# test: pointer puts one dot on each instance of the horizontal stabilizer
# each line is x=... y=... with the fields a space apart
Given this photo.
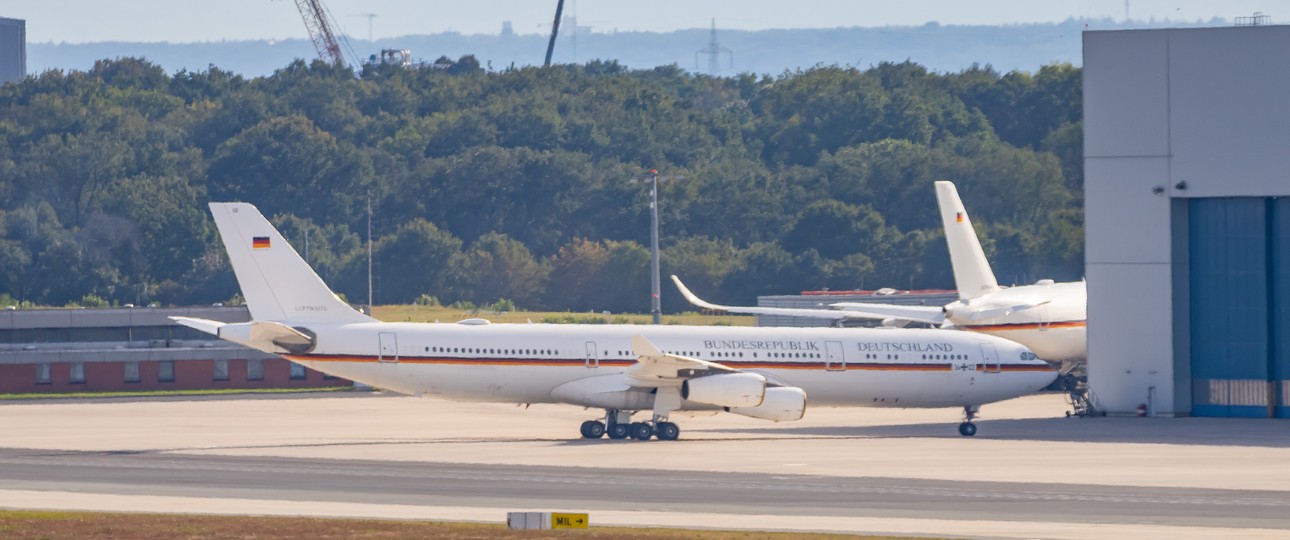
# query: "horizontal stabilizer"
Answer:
x=270 y=337
x=205 y=325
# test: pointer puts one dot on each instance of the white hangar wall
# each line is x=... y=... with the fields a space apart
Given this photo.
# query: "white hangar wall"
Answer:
x=1187 y=149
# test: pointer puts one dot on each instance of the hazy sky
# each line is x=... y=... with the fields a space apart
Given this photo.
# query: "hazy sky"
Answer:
x=80 y=21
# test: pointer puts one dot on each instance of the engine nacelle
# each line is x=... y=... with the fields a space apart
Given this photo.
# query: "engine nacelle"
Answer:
x=782 y=404
x=727 y=390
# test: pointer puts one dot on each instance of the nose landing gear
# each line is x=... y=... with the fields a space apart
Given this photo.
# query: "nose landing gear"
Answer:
x=967 y=428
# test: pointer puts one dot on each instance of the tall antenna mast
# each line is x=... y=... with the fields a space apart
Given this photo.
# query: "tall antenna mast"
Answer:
x=714 y=50
x=370 y=17
x=369 y=252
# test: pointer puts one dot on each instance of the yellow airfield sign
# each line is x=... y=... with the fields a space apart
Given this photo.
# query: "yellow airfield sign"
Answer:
x=569 y=521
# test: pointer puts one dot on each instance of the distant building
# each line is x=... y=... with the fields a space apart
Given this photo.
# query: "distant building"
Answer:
x=13 y=50
x=822 y=300
x=507 y=29
x=84 y=350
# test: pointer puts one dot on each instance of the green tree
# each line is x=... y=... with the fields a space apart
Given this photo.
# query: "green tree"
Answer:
x=414 y=260
x=288 y=165
x=497 y=266
x=607 y=275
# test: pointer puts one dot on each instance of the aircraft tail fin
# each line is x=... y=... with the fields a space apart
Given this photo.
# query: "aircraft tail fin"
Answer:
x=972 y=274
x=278 y=285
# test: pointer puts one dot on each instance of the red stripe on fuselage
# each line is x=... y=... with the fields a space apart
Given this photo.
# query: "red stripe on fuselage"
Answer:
x=1023 y=326
x=578 y=362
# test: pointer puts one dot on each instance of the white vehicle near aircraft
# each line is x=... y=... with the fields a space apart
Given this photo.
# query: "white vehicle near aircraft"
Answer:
x=1047 y=317
x=764 y=373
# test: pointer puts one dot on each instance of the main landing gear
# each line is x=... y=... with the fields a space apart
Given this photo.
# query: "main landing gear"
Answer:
x=618 y=425
x=967 y=428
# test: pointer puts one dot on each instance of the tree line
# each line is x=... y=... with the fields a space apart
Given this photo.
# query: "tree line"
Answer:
x=529 y=184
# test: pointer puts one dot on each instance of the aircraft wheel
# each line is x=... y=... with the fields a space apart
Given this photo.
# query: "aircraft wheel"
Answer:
x=619 y=431
x=967 y=429
x=592 y=429
x=641 y=431
x=667 y=431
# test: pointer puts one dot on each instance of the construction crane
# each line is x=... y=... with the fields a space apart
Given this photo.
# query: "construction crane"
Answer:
x=555 y=30
x=320 y=25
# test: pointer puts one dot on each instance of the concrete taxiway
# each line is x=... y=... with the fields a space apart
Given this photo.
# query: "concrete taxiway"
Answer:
x=1030 y=472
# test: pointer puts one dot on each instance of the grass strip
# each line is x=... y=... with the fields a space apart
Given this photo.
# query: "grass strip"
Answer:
x=57 y=525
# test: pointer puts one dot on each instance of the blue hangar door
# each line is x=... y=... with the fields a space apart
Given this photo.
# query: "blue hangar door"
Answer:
x=1240 y=306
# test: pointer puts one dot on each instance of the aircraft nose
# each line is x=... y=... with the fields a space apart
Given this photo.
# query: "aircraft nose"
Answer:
x=1044 y=372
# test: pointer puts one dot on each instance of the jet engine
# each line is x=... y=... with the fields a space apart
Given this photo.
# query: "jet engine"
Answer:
x=782 y=404
x=726 y=390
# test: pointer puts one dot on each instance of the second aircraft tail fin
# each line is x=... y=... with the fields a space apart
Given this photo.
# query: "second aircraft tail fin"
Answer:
x=972 y=274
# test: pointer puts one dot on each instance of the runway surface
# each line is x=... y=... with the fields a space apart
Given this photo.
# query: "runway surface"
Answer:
x=1030 y=473
x=441 y=484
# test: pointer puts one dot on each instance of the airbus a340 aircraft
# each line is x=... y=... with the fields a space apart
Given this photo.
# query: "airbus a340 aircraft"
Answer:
x=763 y=373
x=1047 y=317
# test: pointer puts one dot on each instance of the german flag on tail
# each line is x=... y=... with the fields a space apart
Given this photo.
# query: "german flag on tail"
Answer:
x=260 y=242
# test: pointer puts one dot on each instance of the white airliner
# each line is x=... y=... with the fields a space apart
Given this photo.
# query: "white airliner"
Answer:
x=1047 y=317
x=763 y=373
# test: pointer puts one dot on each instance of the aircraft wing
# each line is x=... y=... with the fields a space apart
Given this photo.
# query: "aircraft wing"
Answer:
x=655 y=368
x=927 y=314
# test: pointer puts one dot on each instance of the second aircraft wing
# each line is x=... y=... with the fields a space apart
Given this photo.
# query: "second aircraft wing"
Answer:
x=926 y=314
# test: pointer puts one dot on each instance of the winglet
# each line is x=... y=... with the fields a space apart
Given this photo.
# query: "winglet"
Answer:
x=690 y=297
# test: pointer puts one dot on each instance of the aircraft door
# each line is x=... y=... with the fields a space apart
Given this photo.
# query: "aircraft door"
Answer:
x=835 y=358
x=593 y=359
x=990 y=358
x=389 y=351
